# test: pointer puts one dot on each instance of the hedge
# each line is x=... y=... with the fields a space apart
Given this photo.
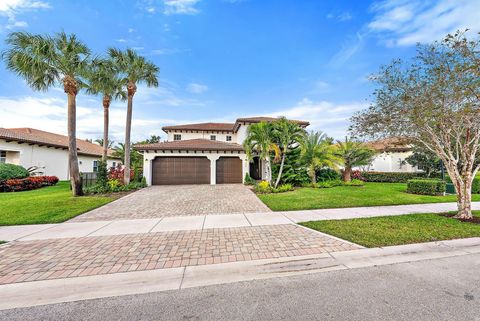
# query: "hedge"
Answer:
x=391 y=177
x=27 y=184
x=426 y=186
x=10 y=171
x=475 y=184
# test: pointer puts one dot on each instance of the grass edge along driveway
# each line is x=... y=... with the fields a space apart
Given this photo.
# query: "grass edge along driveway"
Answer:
x=372 y=194
x=397 y=230
x=52 y=204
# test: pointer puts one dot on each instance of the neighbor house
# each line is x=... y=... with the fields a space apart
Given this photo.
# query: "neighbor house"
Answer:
x=48 y=152
x=204 y=153
x=391 y=155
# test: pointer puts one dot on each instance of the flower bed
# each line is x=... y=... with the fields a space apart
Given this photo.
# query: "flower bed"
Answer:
x=27 y=184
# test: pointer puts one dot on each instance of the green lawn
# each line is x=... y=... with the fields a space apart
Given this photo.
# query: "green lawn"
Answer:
x=396 y=230
x=51 y=204
x=372 y=194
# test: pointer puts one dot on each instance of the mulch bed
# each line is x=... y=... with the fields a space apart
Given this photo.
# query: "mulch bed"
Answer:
x=474 y=220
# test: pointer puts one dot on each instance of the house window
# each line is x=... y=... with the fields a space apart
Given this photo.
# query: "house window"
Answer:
x=114 y=164
x=213 y=137
x=95 y=165
x=3 y=156
x=177 y=137
x=229 y=138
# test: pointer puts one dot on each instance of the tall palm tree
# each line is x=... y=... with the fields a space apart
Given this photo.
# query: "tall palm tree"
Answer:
x=45 y=61
x=135 y=70
x=103 y=79
x=317 y=151
x=100 y=141
x=287 y=133
x=260 y=140
x=353 y=153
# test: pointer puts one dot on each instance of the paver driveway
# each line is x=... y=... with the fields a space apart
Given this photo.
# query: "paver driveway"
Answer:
x=179 y=200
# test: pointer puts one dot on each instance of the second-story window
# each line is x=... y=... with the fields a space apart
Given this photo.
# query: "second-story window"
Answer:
x=213 y=137
x=95 y=165
x=229 y=138
x=177 y=137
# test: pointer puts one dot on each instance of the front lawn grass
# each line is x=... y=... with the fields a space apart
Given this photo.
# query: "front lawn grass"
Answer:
x=397 y=230
x=53 y=204
x=372 y=194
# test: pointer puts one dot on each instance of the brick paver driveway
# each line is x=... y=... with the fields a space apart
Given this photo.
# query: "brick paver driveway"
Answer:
x=52 y=259
x=179 y=200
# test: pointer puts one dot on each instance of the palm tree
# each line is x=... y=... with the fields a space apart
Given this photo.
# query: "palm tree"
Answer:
x=317 y=151
x=260 y=140
x=45 y=61
x=287 y=133
x=353 y=153
x=100 y=141
x=103 y=79
x=135 y=69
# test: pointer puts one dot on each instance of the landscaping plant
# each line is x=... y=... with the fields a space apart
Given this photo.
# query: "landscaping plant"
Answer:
x=9 y=171
x=353 y=154
x=433 y=101
x=44 y=62
x=426 y=187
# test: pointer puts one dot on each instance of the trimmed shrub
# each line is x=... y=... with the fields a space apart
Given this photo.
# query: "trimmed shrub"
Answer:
x=12 y=171
x=354 y=182
x=391 y=177
x=114 y=186
x=327 y=174
x=249 y=180
x=27 y=184
x=426 y=186
x=476 y=185
x=263 y=187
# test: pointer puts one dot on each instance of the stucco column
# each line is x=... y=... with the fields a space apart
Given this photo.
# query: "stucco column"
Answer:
x=213 y=168
x=147 y=167
x=245 y=166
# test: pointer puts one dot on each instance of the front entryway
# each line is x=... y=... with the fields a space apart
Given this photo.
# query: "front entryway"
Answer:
x=255 y=168
x=180 y=170
x=229 y=170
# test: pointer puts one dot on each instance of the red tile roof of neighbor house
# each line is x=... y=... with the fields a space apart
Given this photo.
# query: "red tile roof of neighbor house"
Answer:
x=230 y=127
x=192 y=144
x=391 y=144
x=40 y=137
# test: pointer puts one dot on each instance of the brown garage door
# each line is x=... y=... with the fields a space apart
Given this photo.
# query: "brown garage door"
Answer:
x=229 y=170
x=180 y=170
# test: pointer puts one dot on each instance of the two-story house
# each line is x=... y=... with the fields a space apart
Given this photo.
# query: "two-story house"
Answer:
x=204 y=153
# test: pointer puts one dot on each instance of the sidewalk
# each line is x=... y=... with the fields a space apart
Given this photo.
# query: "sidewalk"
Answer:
x=89 y=287
x=201 y=222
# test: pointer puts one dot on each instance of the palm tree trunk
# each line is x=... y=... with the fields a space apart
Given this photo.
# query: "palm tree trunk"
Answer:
x=72 y=147
x=268 y=170
x=280 y=170
x=128 y=129
x=347 y=174
x=313 y=176
x=106 y=105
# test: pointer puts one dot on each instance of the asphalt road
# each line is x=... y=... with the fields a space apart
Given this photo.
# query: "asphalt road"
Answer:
x=443 y=289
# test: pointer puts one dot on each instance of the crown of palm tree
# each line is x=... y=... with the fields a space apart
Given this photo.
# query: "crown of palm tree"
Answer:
x=354 y=153
x=260 y=139
x=134 y=68
x=317 y=151
x=45 y=61
x=103 y=78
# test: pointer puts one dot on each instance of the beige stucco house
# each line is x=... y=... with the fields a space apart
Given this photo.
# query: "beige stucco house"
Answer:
x=391 y=155
x=204 y=153
x=48 y=152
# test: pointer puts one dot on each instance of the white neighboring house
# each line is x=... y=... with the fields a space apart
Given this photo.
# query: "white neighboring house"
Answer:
x=31 y=147
x=204 y=153
x=391 y=156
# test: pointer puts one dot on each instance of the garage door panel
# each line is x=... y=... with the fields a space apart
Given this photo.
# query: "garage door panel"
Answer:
x=180 y=170
x=229 y=170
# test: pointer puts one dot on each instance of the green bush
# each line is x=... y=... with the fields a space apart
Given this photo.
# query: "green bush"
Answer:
x=12 y=171
x=328 y=184
x=249 y=180
x=283 y=188
x=327 y=174
x=115 y=186
x=102 y=173
x=354 y=182
x=426 y=186
x=391 y=177
x=475 y=184
x=263 y=187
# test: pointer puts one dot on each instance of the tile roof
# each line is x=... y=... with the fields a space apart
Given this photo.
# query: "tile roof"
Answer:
x=202 y=127
x=390 y=144
x=268 y=119
x=191 y=144
x=36 y=136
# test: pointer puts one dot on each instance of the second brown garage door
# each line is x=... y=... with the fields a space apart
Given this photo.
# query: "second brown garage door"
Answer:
x=229 y=170
x=180 y=170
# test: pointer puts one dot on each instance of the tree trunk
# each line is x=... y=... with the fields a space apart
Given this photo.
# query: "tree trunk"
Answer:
x=268 y=170
x=464 y=197
x=131 y=89
x=280 y=170
x=347 y=174
x=313 y=175
x=106 y=105
x=72 y=147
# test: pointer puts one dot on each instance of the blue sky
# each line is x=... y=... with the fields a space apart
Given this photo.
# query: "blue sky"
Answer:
x=223 y=59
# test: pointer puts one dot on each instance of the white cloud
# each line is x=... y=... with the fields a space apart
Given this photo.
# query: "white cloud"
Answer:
x=180 y=7
x=130 y=30
x=121 y=40
x=12 y=8
x=404 y=23
x=329 y=117
x=344 y=16
x=195 y=88
x=166 y=51
x=349 y=49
